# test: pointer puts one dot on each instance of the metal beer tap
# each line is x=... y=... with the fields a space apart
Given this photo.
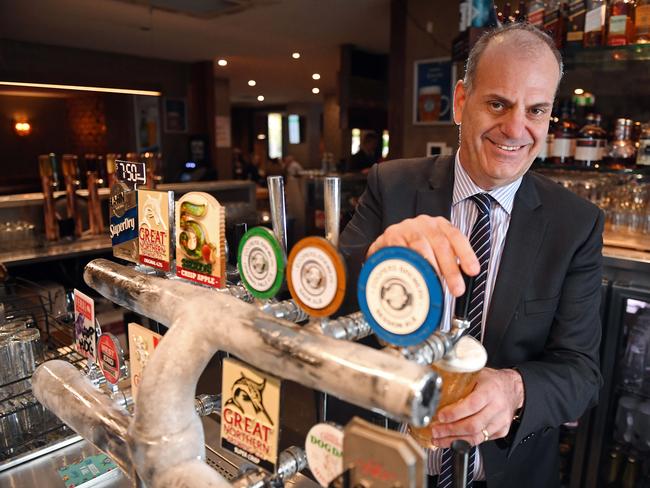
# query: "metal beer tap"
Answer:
x=291 y=461
x=438 y=345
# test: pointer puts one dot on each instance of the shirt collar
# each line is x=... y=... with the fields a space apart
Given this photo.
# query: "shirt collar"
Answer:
x=464 y=188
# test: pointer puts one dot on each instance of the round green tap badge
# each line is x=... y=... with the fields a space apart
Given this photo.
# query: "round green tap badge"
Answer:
x=261 y=263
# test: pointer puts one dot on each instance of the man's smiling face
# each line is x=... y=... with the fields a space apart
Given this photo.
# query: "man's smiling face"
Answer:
x=504 y=116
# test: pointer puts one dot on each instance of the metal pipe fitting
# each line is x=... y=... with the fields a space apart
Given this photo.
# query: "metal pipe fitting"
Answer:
x=291 y=461
x=204 y=405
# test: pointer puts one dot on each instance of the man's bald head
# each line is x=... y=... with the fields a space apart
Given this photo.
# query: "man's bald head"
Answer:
x=525 y=38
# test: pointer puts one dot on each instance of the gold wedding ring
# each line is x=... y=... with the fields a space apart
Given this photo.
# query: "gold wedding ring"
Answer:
x=486 y=435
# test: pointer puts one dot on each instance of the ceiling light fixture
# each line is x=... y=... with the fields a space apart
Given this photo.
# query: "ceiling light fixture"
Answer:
x=315 y=76
x=578 y=91
x=260 y=98
x=295 y=55
x=222 y=62
x=83 y=88
x=261 y=137
x=252 y=83
x=23 y=128
x=315 y=91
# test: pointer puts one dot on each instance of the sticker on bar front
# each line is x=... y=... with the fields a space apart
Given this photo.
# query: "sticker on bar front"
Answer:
x=400 y=295
x=124 y=221
x=324 y=450
x=85 y=327
x=250 y=415
x=142 y=343
x=261 y=263
x=316 y=276
x=200 y=239
x=155 y=220
x=110 y=357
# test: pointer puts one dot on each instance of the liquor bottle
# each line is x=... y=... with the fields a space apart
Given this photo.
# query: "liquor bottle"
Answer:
x=621 y=153
x=535 y=13
x=643 y=152
x=590 y=143
x=507 y=13
x=595 y=23
x=614 y=467
x=463 y=16
x=630 y=473
x=642 y=22
x=575 y=22
x=520 y=13
x=554 y=22
x=620 y=24
x=564 y=140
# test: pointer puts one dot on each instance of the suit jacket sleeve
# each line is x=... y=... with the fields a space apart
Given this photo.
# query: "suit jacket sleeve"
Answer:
x=564 y=381
x=366 y=225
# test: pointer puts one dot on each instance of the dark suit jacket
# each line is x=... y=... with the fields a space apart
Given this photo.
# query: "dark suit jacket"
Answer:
x=543 y=318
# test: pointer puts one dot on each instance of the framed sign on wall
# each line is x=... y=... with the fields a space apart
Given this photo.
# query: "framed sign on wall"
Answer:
x=433 y=91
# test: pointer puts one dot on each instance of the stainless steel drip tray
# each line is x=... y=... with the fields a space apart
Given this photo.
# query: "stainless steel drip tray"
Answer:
x=42 y=472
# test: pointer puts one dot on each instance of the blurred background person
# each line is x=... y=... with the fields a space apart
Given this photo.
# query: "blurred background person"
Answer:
x=363 y=159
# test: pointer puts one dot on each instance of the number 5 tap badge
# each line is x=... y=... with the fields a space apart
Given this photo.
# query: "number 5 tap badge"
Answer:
x=200 y=239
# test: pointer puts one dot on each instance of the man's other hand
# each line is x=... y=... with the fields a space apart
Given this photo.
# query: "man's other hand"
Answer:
x=487 y=411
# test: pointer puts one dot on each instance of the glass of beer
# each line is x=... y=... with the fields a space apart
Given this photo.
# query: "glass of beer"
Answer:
x=459 y=371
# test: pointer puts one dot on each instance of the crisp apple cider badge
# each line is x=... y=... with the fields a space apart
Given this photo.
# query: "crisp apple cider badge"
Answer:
x=200 y=239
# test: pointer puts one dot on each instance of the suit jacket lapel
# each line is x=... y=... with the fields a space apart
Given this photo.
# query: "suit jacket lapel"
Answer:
x=436 y=200
x=524 y=237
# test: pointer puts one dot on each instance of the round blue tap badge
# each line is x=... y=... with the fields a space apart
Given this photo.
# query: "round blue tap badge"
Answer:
x=400 y=295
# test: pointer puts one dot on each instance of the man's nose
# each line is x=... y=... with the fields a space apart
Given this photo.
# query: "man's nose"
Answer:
x=513 y=125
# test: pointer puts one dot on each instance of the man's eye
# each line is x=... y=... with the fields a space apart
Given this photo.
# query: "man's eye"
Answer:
x=537 y=111
x=497 y=106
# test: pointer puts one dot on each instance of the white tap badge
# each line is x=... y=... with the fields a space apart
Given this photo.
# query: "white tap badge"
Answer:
x=154 y=234
x=324 y=450
x=142 y=343
x=85 y=331
x=250 y=415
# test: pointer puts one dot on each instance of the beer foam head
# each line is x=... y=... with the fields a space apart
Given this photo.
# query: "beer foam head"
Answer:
x=469 y=355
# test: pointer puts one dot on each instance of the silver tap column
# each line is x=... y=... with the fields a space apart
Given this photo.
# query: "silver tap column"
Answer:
x=278 y=209
x=332 y=196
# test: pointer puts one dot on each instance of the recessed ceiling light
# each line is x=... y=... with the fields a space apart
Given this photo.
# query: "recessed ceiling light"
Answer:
x=578 y=91
x=315 y=91
x=315 y=76
x=222 y=62
x=261 y=137
x=295 y=55
x=260 y=98
x=252 y=83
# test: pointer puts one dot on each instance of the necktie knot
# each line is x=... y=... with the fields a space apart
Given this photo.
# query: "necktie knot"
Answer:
x=483 y=202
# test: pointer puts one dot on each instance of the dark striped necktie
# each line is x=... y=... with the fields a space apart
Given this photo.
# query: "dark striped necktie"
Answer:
x=480 y=242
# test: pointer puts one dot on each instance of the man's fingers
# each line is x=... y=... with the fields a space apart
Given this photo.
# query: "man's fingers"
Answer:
x=463 y=249
x=468 y=406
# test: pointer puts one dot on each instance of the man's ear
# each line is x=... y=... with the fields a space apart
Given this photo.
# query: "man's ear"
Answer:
x=460 y=95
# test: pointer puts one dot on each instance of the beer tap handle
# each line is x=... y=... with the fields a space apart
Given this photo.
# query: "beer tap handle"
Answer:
x=332 y=197
x=461 y=311
x=461 y=459
x=278 y=209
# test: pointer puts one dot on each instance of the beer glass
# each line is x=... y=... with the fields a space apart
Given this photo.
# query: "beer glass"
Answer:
x=458 y=371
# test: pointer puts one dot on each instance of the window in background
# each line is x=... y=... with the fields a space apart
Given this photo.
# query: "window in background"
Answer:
x=385 y=139
x=294 y=128
x=275 y=135
x=356 y=140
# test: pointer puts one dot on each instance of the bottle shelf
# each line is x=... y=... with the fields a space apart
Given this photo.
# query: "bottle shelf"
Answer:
x=606 y=57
